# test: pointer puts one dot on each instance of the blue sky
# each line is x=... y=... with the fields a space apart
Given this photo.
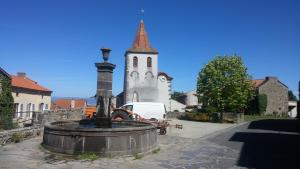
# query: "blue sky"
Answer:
x=57 y=42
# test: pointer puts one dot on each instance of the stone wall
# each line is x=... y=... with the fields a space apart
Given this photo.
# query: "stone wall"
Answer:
x=59 y=115
x=233 y=117
x=16 y=135
x=277 y=94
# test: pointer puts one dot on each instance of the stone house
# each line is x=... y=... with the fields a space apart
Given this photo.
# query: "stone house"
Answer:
x=29 y=97
x=277 y=94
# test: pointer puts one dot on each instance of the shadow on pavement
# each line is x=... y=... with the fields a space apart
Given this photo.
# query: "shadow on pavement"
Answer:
x=268 y=149
x=287 y=125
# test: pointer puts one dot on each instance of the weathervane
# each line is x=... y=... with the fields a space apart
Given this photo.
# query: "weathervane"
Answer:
x=142 y=12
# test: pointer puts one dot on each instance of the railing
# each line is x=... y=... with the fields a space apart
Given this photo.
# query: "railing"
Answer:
x=26 y=118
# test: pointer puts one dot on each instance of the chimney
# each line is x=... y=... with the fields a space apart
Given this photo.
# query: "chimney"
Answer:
x=21 y=74
x=72 y=103
x=271 y=78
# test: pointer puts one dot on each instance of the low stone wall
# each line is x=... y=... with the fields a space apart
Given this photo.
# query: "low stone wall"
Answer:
x=17 y=135
x=58 y=115
x=175 y=114
x=233 y=117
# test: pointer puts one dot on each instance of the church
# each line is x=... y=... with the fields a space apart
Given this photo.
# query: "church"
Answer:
x=142 y=80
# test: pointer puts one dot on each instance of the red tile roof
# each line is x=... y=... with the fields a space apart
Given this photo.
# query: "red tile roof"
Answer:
x=141 y=42
x=66 y=103
x=26 y=83
x=258 y=82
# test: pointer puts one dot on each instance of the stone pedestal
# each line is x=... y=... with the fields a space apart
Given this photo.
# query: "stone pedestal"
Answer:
x=104 y=94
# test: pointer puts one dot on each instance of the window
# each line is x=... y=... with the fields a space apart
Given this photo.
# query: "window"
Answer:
x=129 y=107
x=16 y=107
x=33 y=107
x=28 y=107
x=46 y=106
x=17 y=94
x=149 y=62
x=21 y=108
x=135 y=61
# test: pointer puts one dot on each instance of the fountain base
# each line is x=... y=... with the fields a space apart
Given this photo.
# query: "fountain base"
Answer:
x=124 y=138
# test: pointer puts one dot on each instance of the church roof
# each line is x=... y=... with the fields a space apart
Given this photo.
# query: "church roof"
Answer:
x=166 y=75
x=141 y=43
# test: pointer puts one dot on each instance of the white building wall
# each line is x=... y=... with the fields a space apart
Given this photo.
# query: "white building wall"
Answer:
x=141 y=81
x=164 y=89
x=191 y=98
x=293 y=111
x=34 y=100
x=175 y=105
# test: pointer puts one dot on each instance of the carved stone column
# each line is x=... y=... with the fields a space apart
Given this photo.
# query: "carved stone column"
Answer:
x=104 y=90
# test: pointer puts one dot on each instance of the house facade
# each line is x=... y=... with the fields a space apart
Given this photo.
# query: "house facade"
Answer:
x=276 y=92
x=29 y=96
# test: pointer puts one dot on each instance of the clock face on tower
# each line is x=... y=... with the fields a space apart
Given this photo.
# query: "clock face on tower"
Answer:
x=162 y=78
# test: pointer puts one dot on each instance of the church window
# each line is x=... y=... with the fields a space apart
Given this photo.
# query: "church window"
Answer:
x=149 y=62
x=135 y=61
x=149 y=75
x=134 y=75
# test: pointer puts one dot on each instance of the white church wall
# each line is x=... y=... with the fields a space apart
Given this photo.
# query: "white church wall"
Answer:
x=141 y=82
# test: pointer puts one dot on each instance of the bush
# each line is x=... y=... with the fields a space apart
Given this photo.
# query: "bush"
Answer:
x=16 y=137
x=88 y=156
x=6 y=104
x=198 y=116
x=262 y=103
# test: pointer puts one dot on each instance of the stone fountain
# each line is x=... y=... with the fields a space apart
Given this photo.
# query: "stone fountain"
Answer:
x=101 y=135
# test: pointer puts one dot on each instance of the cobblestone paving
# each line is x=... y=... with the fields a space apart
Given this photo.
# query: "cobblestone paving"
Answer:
x=175 y=152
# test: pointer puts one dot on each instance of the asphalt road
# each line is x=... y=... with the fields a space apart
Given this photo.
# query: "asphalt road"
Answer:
x=264 y=143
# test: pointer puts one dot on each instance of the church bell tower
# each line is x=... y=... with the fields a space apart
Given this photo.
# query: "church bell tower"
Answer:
x=141 y=62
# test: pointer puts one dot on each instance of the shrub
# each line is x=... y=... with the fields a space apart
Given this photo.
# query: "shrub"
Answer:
x=88 y=156
x=16 y=137
x=156 y=151
x=198 y=116
x=262 y=100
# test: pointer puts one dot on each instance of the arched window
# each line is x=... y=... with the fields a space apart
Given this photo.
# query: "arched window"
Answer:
x=135 y=61
x=149 y=62
x=135 y=97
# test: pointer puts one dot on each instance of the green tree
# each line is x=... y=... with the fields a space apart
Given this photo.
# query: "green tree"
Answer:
x=292 y=97
x=262 y=101
x=175 y=95
x=224 y=84
x=6 y=104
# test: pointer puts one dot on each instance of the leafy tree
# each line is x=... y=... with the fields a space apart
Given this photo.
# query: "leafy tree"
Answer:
x=292 y=97
x=225 y=85
x=6 y=104
x=258 y=105
x=262 y=101
x=175 y=95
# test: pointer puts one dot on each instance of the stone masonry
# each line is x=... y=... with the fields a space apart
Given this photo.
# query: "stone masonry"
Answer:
x=277 y=94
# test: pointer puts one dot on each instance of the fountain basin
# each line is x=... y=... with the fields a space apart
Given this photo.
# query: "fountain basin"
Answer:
x=124 y=138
